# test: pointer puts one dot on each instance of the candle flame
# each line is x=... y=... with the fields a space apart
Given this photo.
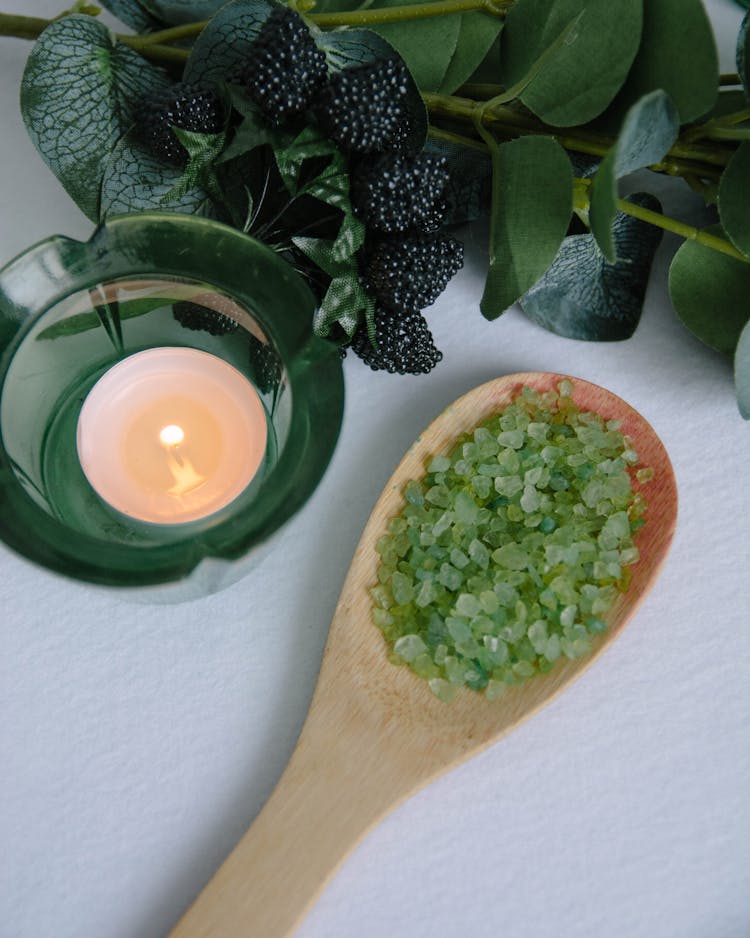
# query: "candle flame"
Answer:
x=172 y=435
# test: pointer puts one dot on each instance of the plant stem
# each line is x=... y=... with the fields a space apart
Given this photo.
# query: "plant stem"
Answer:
x=706 y=162
x=580 y=187
x=410 y=12
x=732 y=78
x=186 y=31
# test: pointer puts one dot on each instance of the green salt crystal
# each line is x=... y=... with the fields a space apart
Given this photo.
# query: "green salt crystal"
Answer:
x=426 y=594
x=414 y=493
x=489 y=601
x=458 y=558
x=495 y=689
x=466 y=508
x=381 y=617
x=645 y=475
x=425 y=667
x=510 y=556
x=402 y=588
x=568 y=615
x=454 y=670
x=438 y=495
x=514 y=513
x=511 y=438
x=523 y=669
x=450 y=577
x=482 y=485
x=468 y=605
x=508 y=485
x=442 y=524
x=530 y=500
x=629 y=555
x=408 y=647
x=439 y=464
x=547 y=525
x=552 y=648
x=479 y=553
x=442 y=689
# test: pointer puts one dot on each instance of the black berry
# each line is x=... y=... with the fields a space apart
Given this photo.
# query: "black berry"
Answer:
x=364 y=108
x=403 y=344
x=184 y=106
x=197 y=317
x=409 y=273
x=265 y=364
x=394 y=193
x=287 y=68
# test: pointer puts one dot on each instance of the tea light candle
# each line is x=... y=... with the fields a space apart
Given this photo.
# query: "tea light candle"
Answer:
x=170 y=435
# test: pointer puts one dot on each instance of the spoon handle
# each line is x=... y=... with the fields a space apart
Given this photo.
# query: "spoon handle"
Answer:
x=339 y=782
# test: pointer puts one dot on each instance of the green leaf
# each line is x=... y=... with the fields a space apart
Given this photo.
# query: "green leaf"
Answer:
x=132 y=14
x=742 y=372
x=135 y=180
x=82 y=322
x=743 y=54
x=580 y=81
x=678 y=55
x=346 y=300
x=532 y=197
x=733 y=198
x=469 y=189
x=583 y=296
x=349 y=47
x=222 y=50
x=476 y=36
x=310 y=143
x=710 y=292
x=650 y=128
x=176 y=12
x=202 y=152
x=77 y=98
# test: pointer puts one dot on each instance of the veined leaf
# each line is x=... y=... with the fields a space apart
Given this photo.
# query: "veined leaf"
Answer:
x=710 y=292
x=77 y=98
x=532 y=197
x=583 y=296
x=222 y=50
x=580 y=81
x=176 y=12
x=132 y=14
x=733 y=198
x=649 y=130
x=743 y=54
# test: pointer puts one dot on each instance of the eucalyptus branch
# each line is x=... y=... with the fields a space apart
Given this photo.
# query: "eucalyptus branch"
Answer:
x=410 y=12
x=581 y=203
x=702 y=161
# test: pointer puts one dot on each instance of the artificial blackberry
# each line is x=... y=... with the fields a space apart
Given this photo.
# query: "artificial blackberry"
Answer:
x=393 y=193
x=197 y=317
x=364 y=108
x=287 y=67
x=404 y=344
x=265 y=364
x=409 y=273
x=184 y=106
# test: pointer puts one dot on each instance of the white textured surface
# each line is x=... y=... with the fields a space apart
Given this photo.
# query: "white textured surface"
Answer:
x=138 y=742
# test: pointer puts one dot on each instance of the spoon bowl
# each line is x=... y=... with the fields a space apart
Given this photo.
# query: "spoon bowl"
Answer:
x=376 y=733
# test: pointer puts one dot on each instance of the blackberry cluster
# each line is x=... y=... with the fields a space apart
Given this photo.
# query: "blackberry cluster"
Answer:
x=393 y=193
x=409 y=273
x=364 y=108
x=403 y=344
x=197 y=317
x=265 y=365
x=287 y=67
x=184 y=106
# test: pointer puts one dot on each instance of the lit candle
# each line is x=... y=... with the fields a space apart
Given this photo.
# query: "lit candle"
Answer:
x=170 y=435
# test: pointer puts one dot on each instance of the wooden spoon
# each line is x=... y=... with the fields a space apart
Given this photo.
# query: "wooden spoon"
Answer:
x=375 y=733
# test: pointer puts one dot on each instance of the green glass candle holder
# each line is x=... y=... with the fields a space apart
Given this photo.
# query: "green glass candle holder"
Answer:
x=70 y=311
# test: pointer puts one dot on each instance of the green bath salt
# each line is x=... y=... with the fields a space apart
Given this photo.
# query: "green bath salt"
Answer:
x=512 y=548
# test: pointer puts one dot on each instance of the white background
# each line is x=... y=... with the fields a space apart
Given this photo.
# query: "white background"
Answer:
x=138 y=742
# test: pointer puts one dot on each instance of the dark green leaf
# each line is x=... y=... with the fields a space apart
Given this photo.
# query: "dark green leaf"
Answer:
x=469 y=190
x=82 y=322
x=649 y=130
x=202 y=152
x=132 y=14
x=733 y=201
x=253 y=132
x=488 y=70
x=135 y=181
x=743 y=54
x=346 y=300
x=742 y=372
x=476 y=36
x=583 y=296
x=350 y=47
x=181 y=11
x=581 y=79
x=532 y=197
x=222 y=50
x=710 y=292
x=320 y=253
x=309 y=144
x=77 y=99
x=678 y=55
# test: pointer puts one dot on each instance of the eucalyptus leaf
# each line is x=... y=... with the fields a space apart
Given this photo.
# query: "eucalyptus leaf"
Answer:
x=135 y=180
x=710 y=292
x=222 y=50
x=77 y=97
x=584 y=296
x=733 y=198
x=132 y=14
x=677 y=54
x=580 y=81
x=469 y=190
x=350 y=47
x=176 y=12
x=650 y=128
x=476 y=37
x=742 y=372
x=532 y=197
x=743 y=54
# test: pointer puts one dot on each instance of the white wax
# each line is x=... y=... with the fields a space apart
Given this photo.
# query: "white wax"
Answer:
x=170 y=435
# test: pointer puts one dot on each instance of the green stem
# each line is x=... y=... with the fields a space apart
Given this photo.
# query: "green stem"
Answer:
x=186 y=31
x=580 y=187
x=410 y=12
x=707 y=162
x=732 y=78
